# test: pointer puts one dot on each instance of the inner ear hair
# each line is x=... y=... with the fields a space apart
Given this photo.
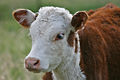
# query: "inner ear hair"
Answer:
x=79 y=19
x=24 y=17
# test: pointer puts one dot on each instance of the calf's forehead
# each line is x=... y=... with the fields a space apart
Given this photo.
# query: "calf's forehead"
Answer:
x=51 y=18
x=46 y=28
x=53 y=13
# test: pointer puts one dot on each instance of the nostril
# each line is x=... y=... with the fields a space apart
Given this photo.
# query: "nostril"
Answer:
x=37 y=62
x=32 y=63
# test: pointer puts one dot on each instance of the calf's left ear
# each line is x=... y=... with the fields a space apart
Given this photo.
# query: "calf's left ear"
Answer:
x=79 y=19
x=24 y=17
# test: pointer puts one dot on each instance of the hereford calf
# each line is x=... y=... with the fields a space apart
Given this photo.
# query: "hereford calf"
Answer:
x=85 y=46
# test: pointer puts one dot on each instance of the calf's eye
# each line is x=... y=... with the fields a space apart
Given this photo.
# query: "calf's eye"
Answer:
x=59 y=36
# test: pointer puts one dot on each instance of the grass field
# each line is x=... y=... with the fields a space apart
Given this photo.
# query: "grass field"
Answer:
x=14 y=41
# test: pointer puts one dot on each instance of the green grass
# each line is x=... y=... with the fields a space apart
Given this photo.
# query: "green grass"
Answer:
x=14 y=41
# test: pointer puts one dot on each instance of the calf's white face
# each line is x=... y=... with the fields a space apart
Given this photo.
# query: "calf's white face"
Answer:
x=49 y=34
x=49 y=31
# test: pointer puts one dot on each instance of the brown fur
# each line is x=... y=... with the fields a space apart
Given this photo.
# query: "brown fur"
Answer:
x=108 y=6
x=48 y=76
x=79 y=19
x=76 y=45
x=71 y=38
x=100 y=44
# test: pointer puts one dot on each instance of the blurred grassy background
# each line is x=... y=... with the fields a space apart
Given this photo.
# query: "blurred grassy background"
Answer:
x=14 y=41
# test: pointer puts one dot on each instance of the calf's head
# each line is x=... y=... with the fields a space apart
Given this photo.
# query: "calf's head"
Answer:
x=52 y=36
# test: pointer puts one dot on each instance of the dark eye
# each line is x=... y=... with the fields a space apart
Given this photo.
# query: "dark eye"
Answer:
x=59 y=36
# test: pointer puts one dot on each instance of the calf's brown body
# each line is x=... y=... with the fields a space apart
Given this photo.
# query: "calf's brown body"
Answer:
x=100 y=44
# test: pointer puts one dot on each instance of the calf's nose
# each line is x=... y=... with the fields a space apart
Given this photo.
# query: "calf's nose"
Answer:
x=32 y=64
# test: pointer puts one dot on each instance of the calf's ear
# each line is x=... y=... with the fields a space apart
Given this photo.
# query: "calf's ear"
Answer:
x=24 y=17
x=79 y=19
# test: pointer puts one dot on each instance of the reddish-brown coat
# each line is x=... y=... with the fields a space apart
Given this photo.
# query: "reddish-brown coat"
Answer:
x=100 y=45
x=76 y=45
x=71 y=38
x=48 y=76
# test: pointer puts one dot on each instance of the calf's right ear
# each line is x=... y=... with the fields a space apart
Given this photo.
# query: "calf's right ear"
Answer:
x=24 y=17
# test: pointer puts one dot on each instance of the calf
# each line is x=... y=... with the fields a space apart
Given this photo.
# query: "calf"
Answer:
x=85 y=46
